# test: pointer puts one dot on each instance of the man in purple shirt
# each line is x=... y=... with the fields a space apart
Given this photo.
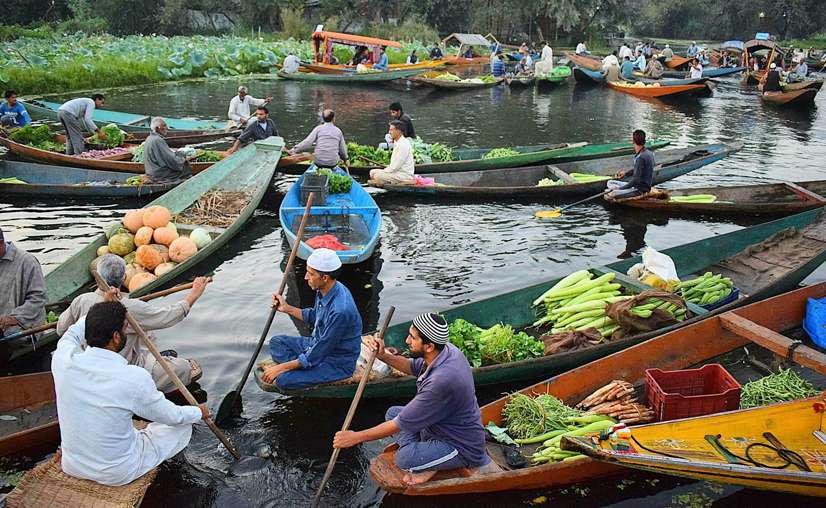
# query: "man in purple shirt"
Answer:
x=441 y=427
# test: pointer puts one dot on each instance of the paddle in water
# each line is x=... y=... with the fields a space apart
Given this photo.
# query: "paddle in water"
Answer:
x=365 y=375
x=231 y=405
x=552 y=214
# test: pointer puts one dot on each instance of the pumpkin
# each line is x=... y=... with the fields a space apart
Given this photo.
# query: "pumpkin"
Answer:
x=94 y=264
x=172 y=226
x=182 y=249
x=103 y=250
x=132 y=269
x=134 y=220
x=122 y=244
x=144 y=236
x=129 y=258
x=163 y=268
x=115 y=229
x=148 y=257
x=200 y=237
x=162 y=250
x=165 y=236
x=155 y=217
x=141 y=279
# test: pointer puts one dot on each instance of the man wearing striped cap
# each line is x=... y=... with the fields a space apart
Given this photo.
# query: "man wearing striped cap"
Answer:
x=441 y=427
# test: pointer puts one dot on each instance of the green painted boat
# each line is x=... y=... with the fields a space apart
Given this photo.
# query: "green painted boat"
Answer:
x=557 y=76
x=472 y=159
x=350 y=78
x=790 y=249
x=249 y=170
x=128 y=122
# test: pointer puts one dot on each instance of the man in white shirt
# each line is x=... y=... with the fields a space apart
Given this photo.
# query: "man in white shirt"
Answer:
x=610 y=61
x=401 y=168
x=696 y=71
x=241 y=105
x=97 y=396
x=291 y=64
x=76 y=116
x=625 y=51
x=546 y=60
x=581 y=49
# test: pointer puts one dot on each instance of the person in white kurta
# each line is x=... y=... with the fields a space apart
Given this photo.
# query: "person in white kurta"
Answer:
x=97 y=396
x=402 y=166
x=546 y=61
x=241 y=105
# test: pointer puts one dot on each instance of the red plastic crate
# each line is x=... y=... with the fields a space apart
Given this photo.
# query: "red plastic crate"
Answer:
x=694 y=392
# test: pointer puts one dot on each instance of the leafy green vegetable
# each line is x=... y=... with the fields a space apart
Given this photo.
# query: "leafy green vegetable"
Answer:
x=783 y=386
x=114 y=136
x=31 y=135
x=465 y=336
x=51 y=146
x=51 y=317
x=499 y=344
x=337 y=184
x=208 y=156
x=500 y=152
x=363 y=155
x=137 y=153
x=531 y=416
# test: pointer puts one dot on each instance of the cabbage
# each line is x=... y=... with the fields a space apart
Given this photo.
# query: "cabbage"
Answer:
x=114 y=136
x=200 y=237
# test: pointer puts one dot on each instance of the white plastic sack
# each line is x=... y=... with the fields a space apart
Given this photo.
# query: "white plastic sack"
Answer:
x=659 y=264
x=380 y=369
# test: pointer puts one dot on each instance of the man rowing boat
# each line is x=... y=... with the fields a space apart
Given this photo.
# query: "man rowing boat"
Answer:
x=441 y=427
x=327 y=142
x=240 y=106
x=642 y=175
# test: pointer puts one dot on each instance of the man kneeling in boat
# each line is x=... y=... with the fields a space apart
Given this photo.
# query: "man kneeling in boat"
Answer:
x=642 y=175
x=97 y=396
x=161 y=163
x=402 y=167
x=441 y=427
x=332 y=351
x=151 y=317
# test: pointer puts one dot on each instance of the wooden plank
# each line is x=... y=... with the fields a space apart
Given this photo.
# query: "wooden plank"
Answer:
x=138 y=120
x=806 y=194
x=774 y=341
x=565 y=177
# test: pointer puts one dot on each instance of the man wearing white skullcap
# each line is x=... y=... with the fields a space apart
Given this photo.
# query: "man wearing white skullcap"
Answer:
x=773 y=79
x=441 y=427
x=331 y=353
x=241 y=105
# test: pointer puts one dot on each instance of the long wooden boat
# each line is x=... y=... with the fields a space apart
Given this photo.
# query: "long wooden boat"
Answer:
x=709 y=72
x=675 y=350
x=30 y=399
x=128 y=122
x=588 y=76
x=353 y=218
x=61 y=159
x=658 y=92
x=518 y=183
x=677 y=61
x=520 y=81
x=761 y=199
x=175 y=139
x=591 y=63
x=323 y=68
x=249 y=170
x=814 y=84
x=472 y=159
x=460 y=60
x=804 y=98
x=430 y=79
x=45 y=180
x=557 y=76
x=350 y=78
x=760 y=262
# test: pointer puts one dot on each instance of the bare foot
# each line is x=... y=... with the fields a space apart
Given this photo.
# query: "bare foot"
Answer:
x=417 y=478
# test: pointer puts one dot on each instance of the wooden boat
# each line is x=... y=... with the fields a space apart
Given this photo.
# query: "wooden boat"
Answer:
x=472 y=159
x=128 y=122
x=814 y=84
x=588 y=76
x=678 y=349
x=44 y=180
x=30 y=399
x=350 y=78
x=430 y=79
x=467 y=41
x=804 y=98
x=518 y=183
x=345 y=69
x=175 y=139
x=757 y=259
x=460 y=60
x=768 y=199
x=709 y=72
x=751 y=48
x=353 y=218
x=677 y=61
x=557 y=76
x=520 y=81
x=658 y=92
x=591 y=63
x=61 y=159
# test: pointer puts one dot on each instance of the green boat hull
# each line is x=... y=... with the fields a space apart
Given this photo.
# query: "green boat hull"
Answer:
x=514 y=308
x=351 y=78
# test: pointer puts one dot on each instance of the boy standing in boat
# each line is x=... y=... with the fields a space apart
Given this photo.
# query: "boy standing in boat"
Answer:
x=441 y=427
x=330 y=354
x=642 y=175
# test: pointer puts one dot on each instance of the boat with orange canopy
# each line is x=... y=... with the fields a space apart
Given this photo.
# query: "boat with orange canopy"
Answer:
x=323 y=43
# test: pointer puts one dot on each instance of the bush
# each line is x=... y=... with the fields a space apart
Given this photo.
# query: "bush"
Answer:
x=12 y=32
x=293 y=25
x=412 y=29
x=85 y=25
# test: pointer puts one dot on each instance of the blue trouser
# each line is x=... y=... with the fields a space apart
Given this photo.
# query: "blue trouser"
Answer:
x=622 y=190
x=285 y=348
x=423 y=452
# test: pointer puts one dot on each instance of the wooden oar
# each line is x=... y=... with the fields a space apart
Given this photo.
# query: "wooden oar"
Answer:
x=353 y=405
x=169 y=372
x=49 y=326
x=233 y=399
x=552 y=214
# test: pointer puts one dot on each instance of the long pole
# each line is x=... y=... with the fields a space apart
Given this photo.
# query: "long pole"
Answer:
x=365 y=375
x=169 y=372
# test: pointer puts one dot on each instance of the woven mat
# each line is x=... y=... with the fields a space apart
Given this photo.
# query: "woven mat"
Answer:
x=48 y=485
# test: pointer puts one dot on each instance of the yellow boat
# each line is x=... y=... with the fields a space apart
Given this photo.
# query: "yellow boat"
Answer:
x=781 y=447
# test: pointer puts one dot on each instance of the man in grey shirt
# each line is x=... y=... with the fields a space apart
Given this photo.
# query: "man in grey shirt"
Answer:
x=23 y=295
x=160 y=163
x=76 y=115
x=328 y=141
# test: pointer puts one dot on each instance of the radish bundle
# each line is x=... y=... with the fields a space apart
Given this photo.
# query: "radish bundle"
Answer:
x=618 y=400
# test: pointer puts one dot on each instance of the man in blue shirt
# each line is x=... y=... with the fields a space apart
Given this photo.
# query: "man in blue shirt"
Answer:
x=627 y=69
x=497 y=66
x=12 y=113
x=382 y=64
x=441 y=427
x=331 y=353
x=642 y=175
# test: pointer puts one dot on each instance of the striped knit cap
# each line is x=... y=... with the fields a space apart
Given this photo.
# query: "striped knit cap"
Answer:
x=433 y=327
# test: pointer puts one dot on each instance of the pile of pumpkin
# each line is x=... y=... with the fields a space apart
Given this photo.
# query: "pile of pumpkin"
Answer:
x=150 y=245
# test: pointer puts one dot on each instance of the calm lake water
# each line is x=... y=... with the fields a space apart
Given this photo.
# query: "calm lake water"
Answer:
x=433 y=255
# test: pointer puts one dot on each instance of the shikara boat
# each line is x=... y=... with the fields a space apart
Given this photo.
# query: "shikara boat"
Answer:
x=460 y=60
x=763 y=260
x=467 y=41
x=677 y=61
x=430 y=79
x=45 y=180
x=761 y=199
x=347 y=69
x=767 y=49
x=350 y=78
x=516 y=183
x=759 y=323
x=709 y=72
x=591 y=63
x=353 y=218
x=804 y=98
x=128 y=122
x=472 y=159
x=658 y=92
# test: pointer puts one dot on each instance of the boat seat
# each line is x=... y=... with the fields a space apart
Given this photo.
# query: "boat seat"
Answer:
x=561 y=175
x=138 y=121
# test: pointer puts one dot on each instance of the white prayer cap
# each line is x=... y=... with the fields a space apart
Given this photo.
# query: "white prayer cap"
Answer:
x=773 y=66
x=324 y=260
x=242 y=88
x=667 y=46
